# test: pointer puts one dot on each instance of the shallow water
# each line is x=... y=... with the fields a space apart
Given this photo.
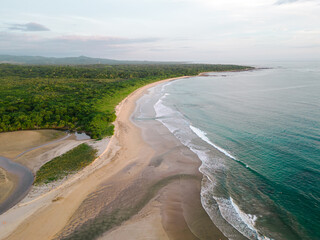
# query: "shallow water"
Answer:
x=24 y=183
x=258 y=136
x=82 y=136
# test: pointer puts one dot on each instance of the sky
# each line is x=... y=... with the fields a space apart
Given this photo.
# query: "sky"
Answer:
x=216 y=31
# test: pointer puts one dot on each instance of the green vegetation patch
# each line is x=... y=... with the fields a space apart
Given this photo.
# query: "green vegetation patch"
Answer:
x=81 y=98
x=68 y=163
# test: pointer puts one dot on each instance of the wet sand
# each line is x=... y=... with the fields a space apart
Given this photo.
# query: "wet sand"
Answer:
x=140 y=188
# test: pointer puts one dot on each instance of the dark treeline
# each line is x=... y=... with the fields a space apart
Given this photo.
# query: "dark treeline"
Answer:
x=77 y=97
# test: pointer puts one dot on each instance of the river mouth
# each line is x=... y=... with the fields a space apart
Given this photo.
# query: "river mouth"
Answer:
x=22 y=186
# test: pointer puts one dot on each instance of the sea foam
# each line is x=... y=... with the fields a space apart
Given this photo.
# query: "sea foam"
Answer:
x=181 y=128
x=243 y=222
x=203 y=135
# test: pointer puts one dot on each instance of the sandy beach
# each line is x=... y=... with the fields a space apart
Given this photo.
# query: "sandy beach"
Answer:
x=145 y=185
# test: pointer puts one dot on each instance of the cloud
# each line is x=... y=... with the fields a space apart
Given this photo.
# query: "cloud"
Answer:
x=102 y=40
x=286 y=1
x=28 y=27
x=70 y=45
x=280 y=2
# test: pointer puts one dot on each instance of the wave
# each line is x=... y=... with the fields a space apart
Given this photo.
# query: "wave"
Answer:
x=203 y=136
x=248 y=219
x=244 y=223
x=232 y=218
x=229 y=210
x=234 y=223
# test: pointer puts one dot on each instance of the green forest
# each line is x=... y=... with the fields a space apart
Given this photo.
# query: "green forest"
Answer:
x=81 y=98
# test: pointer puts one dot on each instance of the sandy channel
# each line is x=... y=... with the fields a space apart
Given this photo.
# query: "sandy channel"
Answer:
x=134 y=190
x=13 y=144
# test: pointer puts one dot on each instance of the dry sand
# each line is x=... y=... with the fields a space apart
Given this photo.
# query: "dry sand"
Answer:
x=37 y=157
x=14 y=143
x=134 y=190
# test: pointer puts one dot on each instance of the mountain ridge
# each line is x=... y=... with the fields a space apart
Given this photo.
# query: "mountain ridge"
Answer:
x=81 y=60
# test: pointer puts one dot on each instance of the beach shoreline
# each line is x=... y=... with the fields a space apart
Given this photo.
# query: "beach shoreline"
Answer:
x=123 y=168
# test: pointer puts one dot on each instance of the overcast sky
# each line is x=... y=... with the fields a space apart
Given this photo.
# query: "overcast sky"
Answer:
x=182 y=30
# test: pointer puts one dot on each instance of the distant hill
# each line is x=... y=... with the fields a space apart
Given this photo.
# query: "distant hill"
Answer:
x=82 y=60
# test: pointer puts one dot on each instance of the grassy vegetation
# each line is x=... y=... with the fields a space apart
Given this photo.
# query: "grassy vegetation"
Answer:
x=65 y=164
x=78 y=97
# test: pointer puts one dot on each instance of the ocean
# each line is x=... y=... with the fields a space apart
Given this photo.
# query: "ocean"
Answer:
x=257 y=134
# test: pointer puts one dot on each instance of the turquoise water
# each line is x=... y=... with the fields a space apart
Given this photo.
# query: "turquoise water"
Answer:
x=258 y=136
